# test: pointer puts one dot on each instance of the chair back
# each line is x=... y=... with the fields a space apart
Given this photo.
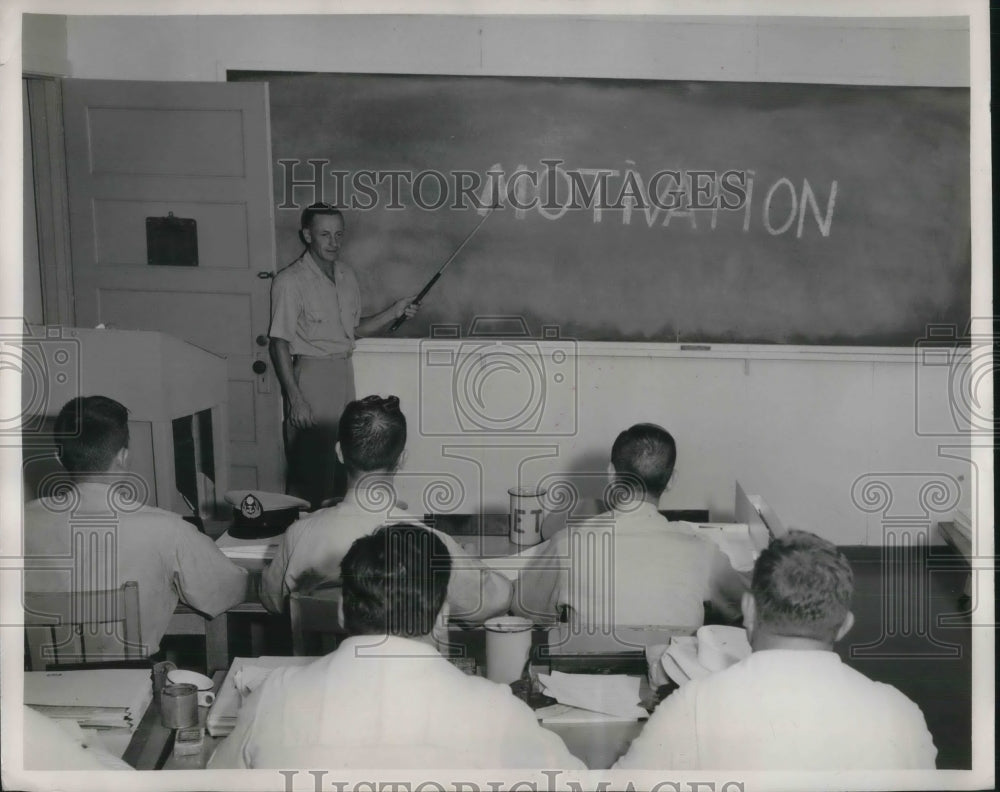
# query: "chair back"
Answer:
x=88 y=628
x=317 y=625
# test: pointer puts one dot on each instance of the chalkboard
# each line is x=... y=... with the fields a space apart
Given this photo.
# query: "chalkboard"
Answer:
x=854 y=228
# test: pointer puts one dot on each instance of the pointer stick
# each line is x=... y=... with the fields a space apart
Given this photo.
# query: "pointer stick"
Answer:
x=434 y=279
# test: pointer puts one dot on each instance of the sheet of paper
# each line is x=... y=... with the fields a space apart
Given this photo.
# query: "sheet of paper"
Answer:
x=114 y=687
x=612 y=694
x=733 y=539
x=564 y=713
x=250 y=549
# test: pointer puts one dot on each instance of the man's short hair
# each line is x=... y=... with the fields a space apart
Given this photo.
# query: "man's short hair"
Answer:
x=802 y=586
x=372 y=434
x=648 y=453
x=89 y=431
x=395 y=581
x=317 y=209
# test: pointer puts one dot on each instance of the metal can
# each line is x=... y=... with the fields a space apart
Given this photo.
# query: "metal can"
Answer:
x=179 y=706
x=526 y=515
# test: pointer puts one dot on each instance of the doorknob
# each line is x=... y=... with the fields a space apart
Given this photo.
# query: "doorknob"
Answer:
x=259 y=367
x=261 y=340
x=265 y=275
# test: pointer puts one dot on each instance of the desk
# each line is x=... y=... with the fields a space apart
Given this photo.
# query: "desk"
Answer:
x=484 y=536
x=597 y=743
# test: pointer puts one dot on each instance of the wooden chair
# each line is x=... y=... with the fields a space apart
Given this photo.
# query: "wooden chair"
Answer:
x=83 y=628
x=317 y=625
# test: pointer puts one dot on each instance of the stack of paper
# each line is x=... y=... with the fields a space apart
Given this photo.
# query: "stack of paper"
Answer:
x=611 y=694
x=249 y=549
x=102 y=699
x=245 y=675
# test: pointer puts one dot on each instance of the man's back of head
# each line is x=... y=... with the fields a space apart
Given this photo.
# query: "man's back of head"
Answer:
x=372 y=435
x=91 y=432
x=801 y=591
x=643 y=457
x=792 y=704
x=395 y=582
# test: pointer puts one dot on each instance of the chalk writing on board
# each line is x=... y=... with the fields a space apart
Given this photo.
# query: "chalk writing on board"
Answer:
x=552 y=190
x=852 y=224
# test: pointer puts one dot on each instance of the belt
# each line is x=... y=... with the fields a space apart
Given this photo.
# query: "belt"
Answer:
x=334 y=356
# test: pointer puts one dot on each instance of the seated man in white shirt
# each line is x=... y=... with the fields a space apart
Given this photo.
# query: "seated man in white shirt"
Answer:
x=792 y=704
x=386 y=698
x=628 y=578
x=91 y=534
x=372 y=438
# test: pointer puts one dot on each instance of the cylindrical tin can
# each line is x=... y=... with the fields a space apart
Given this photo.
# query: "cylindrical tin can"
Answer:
x=179 y=706
x=508 y=645
x=526 y=515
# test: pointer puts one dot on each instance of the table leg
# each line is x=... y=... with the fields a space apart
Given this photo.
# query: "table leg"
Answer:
x=217 y=643
x=256 y=638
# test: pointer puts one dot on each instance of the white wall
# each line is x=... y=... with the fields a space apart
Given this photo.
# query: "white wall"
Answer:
x=43 y=38
x=814 y=431
x=871 y=51
x=800 y=429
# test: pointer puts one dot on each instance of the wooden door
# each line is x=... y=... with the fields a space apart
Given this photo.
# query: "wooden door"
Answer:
x=201 y=151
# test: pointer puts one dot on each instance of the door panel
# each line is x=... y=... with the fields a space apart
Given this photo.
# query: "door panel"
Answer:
x=168 y=141
x=121 y=227
x=200 y=151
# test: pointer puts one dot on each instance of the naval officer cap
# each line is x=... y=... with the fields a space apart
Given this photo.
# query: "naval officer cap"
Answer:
x=258 y=513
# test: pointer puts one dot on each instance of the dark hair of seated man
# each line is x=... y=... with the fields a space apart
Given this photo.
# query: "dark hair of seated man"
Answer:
x=644 y=456
x=802 y=588
x=372 y=435
x=91 y=431
x=395 y=582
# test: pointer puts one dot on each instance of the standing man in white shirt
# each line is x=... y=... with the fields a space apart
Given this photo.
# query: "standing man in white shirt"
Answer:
x=386 y=698
x=792 y=704
x=315 y=317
